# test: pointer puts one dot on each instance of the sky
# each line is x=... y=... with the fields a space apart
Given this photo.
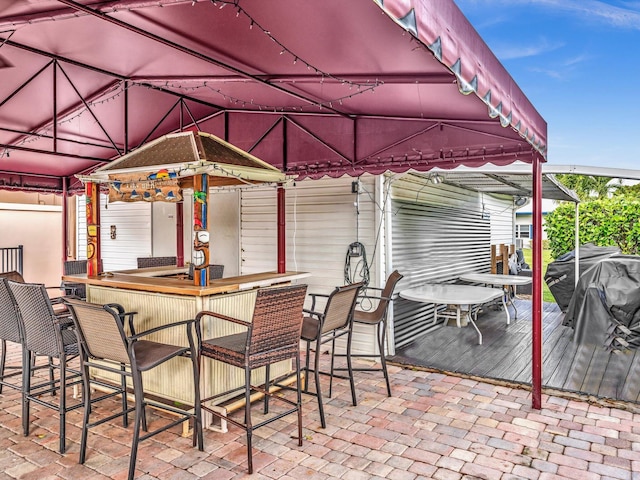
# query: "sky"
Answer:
x=576 y=61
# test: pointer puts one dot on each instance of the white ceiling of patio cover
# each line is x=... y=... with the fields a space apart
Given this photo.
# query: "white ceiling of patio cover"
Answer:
x=313 y=88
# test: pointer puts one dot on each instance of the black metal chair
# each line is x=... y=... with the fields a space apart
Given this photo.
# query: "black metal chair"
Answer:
x=146 y=262
x=272 y=336
x=51 y=335
x=377 y=318
x=105 y=345
x=74 y=267
x=319 y=328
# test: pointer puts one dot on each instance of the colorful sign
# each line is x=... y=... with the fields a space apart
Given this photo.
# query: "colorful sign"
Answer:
x=160 y=186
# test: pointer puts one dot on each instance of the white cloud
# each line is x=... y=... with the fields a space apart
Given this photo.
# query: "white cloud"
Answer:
x=510 y=51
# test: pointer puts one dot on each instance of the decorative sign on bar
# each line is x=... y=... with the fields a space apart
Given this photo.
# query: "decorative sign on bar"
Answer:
x=160 y=186
x=200 y=230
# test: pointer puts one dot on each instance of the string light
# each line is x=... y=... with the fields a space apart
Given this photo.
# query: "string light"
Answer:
x=182 y=86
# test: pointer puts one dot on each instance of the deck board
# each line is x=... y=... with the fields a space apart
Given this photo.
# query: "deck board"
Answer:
x=506 y=354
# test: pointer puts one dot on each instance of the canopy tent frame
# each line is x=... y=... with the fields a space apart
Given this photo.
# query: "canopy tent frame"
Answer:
x=414 y=87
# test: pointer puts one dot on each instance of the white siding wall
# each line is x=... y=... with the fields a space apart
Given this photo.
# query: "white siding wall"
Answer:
x=438 y=232
x=500 y=211
x=321 y=223
x=133 y=233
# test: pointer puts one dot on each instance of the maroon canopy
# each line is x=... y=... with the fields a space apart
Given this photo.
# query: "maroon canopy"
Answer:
x=312 y=87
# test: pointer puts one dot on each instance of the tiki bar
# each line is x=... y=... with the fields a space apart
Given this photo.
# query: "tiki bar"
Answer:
x=161 y=171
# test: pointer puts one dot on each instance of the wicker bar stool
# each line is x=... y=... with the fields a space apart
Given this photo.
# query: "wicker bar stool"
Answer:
x=10 y=331
x=106 y=346
x=146 y=262
x=272 y=336
x=74 y=267
x=51 y=335
x=215 y=271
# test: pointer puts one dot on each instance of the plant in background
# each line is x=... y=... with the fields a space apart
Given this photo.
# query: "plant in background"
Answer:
x=604 y=222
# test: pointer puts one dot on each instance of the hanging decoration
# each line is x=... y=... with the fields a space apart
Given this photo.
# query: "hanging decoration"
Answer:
x=160 y=186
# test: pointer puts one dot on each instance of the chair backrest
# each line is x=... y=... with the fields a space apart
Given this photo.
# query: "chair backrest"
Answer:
x=37 y=318
x=74 y=267
x=215 y=271
x=100 y=330
x=13 y=275
x=10 y=328
x=340 y=305
x=146 y=262
x=277 y=318
x=387 y=292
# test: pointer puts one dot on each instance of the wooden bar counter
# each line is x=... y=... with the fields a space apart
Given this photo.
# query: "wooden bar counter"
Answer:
x=163 y=295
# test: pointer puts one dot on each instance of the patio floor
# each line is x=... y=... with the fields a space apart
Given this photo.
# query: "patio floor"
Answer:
x=506 y=355
x=435 y=426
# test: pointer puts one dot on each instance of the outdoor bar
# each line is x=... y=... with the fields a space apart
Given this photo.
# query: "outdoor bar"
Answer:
x=161 y=171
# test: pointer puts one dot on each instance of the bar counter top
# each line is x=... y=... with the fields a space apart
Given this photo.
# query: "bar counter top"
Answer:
x=173 y=280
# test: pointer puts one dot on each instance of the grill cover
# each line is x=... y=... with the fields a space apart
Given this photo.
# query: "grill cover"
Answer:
x=560 y=275
x=605 y=308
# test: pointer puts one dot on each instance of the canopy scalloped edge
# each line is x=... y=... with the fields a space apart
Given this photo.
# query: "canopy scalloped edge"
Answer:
x=429 y=23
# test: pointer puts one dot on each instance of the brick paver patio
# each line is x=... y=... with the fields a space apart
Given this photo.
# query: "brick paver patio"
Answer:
x=436 y=426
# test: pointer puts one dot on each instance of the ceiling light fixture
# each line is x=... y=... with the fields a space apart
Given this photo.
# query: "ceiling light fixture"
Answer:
x=519 y=201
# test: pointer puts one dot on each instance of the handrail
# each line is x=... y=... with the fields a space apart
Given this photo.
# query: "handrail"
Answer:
x=11 y=259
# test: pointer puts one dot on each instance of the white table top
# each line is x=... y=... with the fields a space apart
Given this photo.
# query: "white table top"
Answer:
x=495 y=279
x=444 y=293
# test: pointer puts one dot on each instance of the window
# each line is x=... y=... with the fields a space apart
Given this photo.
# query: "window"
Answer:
x=523 y=231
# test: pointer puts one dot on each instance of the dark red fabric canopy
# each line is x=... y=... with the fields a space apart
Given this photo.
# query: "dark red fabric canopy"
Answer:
x=312 y=87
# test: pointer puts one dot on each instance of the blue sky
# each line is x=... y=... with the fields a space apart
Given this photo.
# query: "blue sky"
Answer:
x=577 y=61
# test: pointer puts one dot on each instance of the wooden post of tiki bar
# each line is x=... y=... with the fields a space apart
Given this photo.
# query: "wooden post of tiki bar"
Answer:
x=200 y=230
x=93 y=228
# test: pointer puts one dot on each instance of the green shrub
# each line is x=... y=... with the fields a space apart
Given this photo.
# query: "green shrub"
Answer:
x=605 y=222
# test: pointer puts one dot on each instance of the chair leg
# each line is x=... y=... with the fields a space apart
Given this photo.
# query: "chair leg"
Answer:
x=381 y=334
x=86 y=397
x=26 y=388
x=333 y=350
x=306 y=367
x=3 y=360
x=197 y=411
x=51 y=376
x=63 y=401
x=267 y=371
x=140 y=418
x=247 y=417
x=299 y=399
x=123 y=386
x=316 y=374
x=352 y=382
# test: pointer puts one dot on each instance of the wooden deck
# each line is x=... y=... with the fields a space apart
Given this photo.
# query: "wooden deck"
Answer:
x=506 y=355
